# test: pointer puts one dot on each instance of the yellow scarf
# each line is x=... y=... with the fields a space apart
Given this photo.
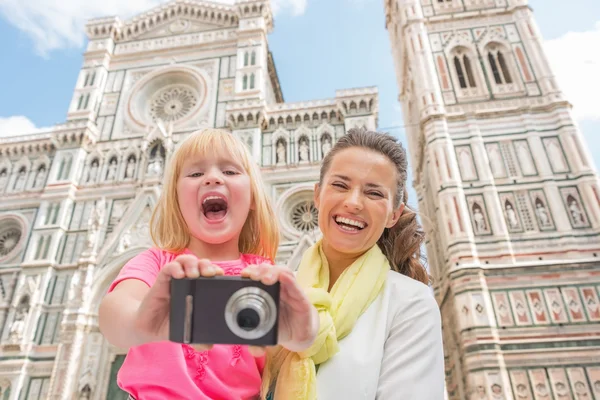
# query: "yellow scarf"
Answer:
x=350 y=296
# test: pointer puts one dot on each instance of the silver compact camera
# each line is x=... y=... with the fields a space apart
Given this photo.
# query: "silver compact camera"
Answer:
x=224 y=310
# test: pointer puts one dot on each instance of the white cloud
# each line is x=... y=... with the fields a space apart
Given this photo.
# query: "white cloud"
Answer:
x=17 y=125
x=295 y=7
x=575 y=59
x=60 y=24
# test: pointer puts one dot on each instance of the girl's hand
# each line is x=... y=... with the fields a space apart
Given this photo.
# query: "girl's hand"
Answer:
x=298 y=318
x=152 y=318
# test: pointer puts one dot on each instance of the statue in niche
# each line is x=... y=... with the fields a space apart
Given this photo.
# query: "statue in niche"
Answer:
x=86 y=393
x=111 y=174
x=130 y=169
x=511 y=215
x=281 y=152
x=3 y=179
x=39 y=177
x=124 y=242
x=15 y=334
x=576 y=213
x=156 y=161
x=5 y=387
x=93 y=171
x=20 y=181
x=303 y=150
x=95 y=221
x=542 y=213
x=479 y=219
x=325 y=145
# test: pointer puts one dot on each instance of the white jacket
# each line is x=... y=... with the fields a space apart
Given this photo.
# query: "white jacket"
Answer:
x=394 y=351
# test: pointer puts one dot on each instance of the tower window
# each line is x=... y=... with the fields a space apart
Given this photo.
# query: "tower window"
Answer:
x=245 y=82
x=252 y=81
x=253 y=58
x=498 y=66
x=464 y=72
x=245 y=59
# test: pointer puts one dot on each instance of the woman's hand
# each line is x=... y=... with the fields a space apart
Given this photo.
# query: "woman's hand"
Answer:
x=298 y=318
x=152 y=317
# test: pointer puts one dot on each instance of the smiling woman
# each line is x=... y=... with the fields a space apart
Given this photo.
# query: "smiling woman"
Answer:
x=380 y=329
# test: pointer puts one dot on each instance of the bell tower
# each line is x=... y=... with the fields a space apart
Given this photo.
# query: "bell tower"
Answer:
x=509 y=197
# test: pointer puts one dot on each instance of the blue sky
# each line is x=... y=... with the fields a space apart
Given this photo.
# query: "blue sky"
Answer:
x=319 y=46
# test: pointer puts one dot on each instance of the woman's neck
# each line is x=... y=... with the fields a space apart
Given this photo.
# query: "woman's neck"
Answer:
x=338 y=262
x=215 y=252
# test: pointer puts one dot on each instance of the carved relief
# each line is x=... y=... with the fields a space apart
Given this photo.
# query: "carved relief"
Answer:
x=591 y=302
x=579 y=383
x=541 y=386
x=554 y=300
x=520 y=385
x=594 y=376
x=520 y=308
x=502 y=308
x=538 y=308
x=573 y=302
x=495 y=386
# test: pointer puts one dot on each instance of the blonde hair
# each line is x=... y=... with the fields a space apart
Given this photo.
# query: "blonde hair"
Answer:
x=168 y=229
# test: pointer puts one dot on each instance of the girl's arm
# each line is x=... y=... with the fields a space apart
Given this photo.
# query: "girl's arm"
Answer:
x=117 y=314
x=136 y=310
x=413 y=359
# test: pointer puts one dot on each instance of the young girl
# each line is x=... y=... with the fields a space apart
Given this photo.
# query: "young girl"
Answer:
x=212 y=218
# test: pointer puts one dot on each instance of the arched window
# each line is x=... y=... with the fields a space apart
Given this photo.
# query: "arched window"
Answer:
x=245 y=59
x=245 y=82
x=464 y=71
x=252 y=81
x=498 y=65
x=253 y=58
x=93 y=79
x=80 y=103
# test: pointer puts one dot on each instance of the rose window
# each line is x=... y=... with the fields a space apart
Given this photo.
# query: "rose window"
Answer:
x=305 y=217
x=9 y=239
x=172 y=103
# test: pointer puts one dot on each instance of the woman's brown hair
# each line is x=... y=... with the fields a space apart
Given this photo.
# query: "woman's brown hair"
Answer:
x=401 y=243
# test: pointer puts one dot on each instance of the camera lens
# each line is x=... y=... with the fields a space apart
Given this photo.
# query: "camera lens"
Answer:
x=250 y=313
x=248 y=319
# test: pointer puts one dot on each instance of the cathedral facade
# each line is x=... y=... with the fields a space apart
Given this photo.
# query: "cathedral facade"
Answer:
x=75 y=200
x=508 y=196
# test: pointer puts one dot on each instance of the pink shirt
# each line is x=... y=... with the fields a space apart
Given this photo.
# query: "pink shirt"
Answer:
x=168 y=370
